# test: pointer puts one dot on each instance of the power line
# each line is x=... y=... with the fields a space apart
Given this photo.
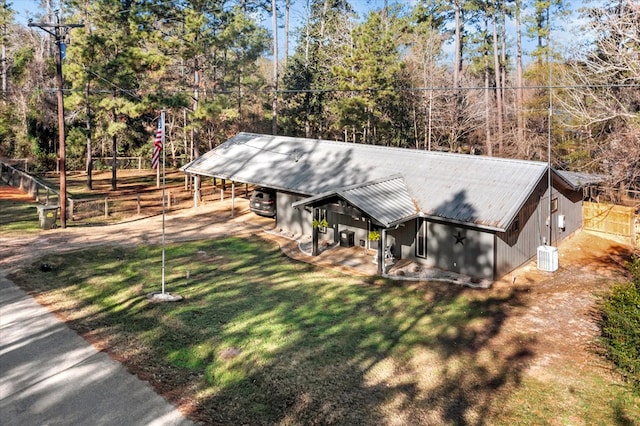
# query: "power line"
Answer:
x=134 y=93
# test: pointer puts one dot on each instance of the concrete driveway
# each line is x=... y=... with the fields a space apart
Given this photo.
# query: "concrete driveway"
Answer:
x=51 y=376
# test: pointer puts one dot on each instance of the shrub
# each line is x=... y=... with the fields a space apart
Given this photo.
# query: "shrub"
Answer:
x=621 y=326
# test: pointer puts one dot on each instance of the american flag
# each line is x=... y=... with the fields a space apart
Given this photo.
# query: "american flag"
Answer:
x=157 y=144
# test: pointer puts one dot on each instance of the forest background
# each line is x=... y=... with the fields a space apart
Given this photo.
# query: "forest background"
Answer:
x=506 y=78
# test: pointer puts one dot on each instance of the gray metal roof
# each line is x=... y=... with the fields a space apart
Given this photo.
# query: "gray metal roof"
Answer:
x=579 y=179
x=478 y=190
x=396 y=208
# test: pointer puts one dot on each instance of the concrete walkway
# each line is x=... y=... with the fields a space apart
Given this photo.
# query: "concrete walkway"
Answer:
x=51 y=376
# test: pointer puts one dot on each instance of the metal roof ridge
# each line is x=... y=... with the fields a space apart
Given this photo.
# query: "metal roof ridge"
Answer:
x=369 y=183
x=395 y=148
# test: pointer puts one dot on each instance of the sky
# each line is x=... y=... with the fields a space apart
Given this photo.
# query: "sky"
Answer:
x=26 y=9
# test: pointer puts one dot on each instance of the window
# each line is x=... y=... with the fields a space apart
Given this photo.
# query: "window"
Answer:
x=554 y=205
x=322 y=218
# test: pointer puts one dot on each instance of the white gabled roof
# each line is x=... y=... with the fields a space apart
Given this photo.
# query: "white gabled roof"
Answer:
x=477 y=190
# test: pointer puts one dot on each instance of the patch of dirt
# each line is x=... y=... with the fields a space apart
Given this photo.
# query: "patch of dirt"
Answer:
x=557 y=312
x=13 y=194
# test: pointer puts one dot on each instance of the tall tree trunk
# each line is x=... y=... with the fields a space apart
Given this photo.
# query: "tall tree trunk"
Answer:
x=457 y=71
x=487 y=98
x=457 y=67
x=519 y=78
x=503 y=57
x=114 y=150
x=114 y=161
x=89 y=164
x=307 y=95
x=274 y=103
x=4 y=51
x=287 y=7
x=89 y=118
x=195 y=133
x=325 y=10
x=498 y=91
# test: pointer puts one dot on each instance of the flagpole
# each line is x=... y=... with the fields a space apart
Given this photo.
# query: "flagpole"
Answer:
x=162 y=296
x=164 y=155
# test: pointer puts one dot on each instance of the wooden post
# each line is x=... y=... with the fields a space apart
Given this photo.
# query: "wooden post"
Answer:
x=314 y=235
x=106 y=207
x=233 y=198
x=71 y=207
x=380 y=253
x=138 y=203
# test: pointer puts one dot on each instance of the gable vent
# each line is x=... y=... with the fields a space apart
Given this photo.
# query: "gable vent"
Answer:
x=548 y=258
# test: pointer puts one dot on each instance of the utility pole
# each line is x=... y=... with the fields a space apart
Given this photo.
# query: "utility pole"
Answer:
x=5 y=17
x=59 y=32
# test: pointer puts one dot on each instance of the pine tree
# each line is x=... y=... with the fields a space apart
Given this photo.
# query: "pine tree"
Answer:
x=370 y=78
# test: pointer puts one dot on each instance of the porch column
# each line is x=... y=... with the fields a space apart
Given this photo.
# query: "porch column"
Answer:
x=314 y=234
x=380 y=254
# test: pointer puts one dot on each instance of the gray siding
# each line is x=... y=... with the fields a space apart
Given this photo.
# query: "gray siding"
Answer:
x=341 y=222
x=478 y=253
x=403 y=240
x=461 y=250
x=517 y=246
x=519 y=243
x=297 y=221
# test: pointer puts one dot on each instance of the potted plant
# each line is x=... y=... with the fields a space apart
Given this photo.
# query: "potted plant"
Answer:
x=319 y=223
x=374 y=235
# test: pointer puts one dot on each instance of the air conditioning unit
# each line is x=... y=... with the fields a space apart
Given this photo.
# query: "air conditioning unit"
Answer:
x=548 y=258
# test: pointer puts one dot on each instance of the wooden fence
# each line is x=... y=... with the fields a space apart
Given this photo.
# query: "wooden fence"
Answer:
x=114 y=208
x=611 y=219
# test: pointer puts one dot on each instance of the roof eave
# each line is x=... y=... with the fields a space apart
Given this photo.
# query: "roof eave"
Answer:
x=463 y=223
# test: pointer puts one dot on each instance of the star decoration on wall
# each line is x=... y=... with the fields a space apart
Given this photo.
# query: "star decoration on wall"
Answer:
x=459 y=238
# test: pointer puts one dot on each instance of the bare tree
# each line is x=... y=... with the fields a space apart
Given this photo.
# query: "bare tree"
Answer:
x=603 y=94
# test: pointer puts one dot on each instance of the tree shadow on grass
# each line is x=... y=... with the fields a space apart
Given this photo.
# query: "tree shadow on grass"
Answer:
x=272 y=341
x=349 y=353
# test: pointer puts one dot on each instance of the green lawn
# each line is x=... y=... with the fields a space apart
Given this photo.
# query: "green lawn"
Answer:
x=261 y=339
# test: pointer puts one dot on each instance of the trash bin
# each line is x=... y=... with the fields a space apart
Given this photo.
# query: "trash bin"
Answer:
x=346 y=238
x=48 y=216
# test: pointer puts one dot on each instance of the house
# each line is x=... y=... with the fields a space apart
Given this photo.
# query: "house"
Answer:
x=473 y=215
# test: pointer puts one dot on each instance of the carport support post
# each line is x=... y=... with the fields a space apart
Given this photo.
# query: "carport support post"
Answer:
x=196 y=191
x=314 y=234
x=233 y=197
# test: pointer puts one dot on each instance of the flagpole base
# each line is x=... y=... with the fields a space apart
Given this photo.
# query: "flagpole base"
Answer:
x=158 y=296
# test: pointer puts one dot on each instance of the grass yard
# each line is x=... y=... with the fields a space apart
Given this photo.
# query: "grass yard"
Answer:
x=262 y=339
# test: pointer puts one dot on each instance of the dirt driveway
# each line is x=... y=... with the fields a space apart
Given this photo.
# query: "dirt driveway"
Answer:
x=556 y=310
